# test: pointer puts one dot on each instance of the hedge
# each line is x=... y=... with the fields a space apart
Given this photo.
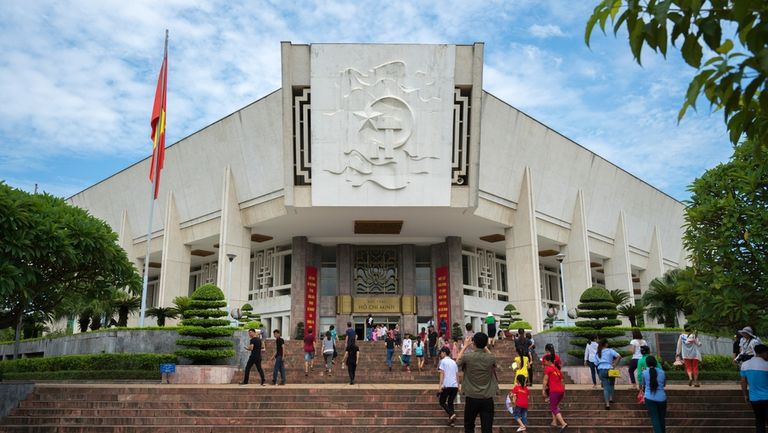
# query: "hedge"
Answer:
x=206 y=323
x=209 y=304
x=196 y=342
x=197 y=331
x=204 y=313
x=97 y=362
x=704 y=375
x=86 y=375
x=205 y=354
x=598 y=323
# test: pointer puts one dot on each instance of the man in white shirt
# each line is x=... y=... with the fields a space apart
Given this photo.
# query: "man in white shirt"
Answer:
x=407 y=345
x=449 y=383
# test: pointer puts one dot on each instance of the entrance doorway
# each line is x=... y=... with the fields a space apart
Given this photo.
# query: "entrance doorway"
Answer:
x=388 y=321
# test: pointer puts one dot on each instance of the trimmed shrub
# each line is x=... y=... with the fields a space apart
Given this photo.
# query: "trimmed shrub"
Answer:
x=300 y=331
x=456 y=331
x=199 y=321
x=149 y=362
x=249 y=319
x=597 y=306
x=510 y=316
x=519 y=324
x=86 y=375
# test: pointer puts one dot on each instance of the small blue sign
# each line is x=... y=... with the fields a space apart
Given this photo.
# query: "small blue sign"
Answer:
x=167 y=368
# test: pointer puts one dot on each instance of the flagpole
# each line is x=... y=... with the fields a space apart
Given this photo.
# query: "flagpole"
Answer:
x=154 y=161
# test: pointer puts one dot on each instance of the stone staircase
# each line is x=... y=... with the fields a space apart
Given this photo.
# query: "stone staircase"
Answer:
x=372 y=367
x=105 y=408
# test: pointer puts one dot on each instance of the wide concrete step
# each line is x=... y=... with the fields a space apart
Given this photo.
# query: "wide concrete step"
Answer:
x=341 y=427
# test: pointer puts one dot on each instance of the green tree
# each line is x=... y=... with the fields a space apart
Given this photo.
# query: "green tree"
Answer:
x=181 y=303
x=732 y=78
x=665 y=299
x=124 y=304
x=49 y=251
x=510 y=316
x=726 y=232
x=162 y=313
x=206 y=322
x=597 y=309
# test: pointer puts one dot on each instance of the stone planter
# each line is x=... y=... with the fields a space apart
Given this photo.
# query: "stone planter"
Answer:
x=203 y=374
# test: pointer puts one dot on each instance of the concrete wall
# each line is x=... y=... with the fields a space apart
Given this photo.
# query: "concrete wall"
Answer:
x=118 y=342
x=249 y=140
x=561 y=340
x=11 y=394
x=512 y=141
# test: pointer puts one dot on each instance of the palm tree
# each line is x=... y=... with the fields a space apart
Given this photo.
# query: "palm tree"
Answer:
x=125 y=304
x=632 y=312
x=181 y=303
x=163 y=313
x=664 y=299
x=620 y=297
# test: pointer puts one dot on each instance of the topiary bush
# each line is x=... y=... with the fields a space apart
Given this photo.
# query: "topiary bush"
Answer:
x=597 y=307
x=205 y=320
x=456 y=331
x=300 y=331
x=511 y=315
x=249 y=319
x=514 y=326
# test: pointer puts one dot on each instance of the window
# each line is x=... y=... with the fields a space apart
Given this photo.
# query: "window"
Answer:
x=484 y=274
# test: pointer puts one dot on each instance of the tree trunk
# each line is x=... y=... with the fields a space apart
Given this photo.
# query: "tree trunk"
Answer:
x=122 y=317
x=83 y=322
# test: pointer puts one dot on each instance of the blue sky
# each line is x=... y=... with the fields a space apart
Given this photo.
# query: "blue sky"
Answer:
x=77 y=78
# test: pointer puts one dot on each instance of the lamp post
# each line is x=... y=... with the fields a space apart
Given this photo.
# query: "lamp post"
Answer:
x=231 y=257
x=560 y=257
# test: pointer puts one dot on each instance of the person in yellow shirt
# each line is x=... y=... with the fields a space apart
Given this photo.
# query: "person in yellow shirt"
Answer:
x=521 y=364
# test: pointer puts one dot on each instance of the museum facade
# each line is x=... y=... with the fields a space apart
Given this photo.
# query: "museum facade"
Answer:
x=383 y=180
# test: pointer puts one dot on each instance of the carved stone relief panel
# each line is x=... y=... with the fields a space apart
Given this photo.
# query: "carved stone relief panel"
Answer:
x=382 y=124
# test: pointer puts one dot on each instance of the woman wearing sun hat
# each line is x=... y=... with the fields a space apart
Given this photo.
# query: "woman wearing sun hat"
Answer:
x=747 y=345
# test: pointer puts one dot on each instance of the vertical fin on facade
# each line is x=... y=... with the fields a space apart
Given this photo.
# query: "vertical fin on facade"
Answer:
x=302 y=130
x=523 y=257
x=576 y=266
x=618 y=272
x=174 y=268
x=234 y=239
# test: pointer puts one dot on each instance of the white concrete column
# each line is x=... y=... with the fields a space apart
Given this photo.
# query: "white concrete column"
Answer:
x=234 y=239
x=618 y=273
x=576 y=268
x=285 y=328
x=174 y=265
x=522 y=257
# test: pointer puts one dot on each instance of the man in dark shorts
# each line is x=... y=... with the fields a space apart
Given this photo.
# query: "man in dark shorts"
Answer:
x=279 y=356
x=309 y=351
x=255 y=347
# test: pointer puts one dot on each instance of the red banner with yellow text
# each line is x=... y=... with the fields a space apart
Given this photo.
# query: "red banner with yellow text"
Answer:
x=442 y=289
x=310 y=301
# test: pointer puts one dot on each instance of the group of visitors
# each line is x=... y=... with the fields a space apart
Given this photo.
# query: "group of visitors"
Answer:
x=473 y=357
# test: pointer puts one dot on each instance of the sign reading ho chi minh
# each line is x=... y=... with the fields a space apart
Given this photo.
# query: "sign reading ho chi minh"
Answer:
x=377 y=304
x=382 y=119
x=310 y=300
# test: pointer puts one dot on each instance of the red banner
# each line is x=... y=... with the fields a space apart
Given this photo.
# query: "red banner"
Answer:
x=310 y=301
x=443 y=298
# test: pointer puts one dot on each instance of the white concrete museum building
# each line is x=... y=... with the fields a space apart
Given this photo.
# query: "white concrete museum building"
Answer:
x=384 y=178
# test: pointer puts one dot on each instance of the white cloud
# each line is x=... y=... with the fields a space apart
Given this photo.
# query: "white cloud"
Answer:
x=80 y=75
x=545 y=31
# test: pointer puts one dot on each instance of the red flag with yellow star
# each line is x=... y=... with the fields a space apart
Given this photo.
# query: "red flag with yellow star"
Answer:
x=158 y=124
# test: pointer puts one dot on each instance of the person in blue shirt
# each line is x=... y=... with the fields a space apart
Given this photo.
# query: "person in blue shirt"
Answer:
x=606 y=359
x=653 y=384
x=754 y=378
